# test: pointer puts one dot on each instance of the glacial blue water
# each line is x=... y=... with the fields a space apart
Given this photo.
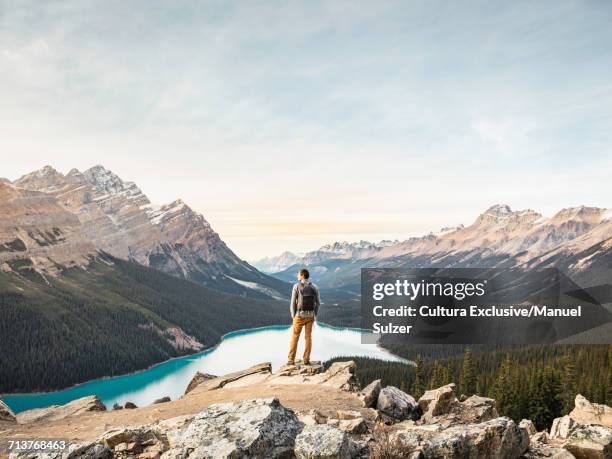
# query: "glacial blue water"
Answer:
x=238 y=350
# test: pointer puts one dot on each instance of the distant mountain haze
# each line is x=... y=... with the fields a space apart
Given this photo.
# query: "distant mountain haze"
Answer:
x=577 y=240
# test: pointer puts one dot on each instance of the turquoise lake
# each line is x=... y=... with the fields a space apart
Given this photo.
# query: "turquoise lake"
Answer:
x=237 y=351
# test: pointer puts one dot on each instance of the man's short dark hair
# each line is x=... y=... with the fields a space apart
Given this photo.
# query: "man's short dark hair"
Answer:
x=304 y=272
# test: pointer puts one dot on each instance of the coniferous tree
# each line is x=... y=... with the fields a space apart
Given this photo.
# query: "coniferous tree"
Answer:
x=437 y=376
x=449 y=375
x=468 y=374
x=419 y=380
x=502 y=391
x=568 y=393
x=546 y=403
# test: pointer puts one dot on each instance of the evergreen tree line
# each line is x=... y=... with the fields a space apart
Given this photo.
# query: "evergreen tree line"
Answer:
x=536 y=382
x=105 y=321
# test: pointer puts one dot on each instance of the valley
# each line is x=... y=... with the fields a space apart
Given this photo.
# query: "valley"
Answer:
x=98 y=281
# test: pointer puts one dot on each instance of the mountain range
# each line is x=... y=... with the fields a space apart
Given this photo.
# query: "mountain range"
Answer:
x=576 y=240
x=95 y=280
x=56 y=221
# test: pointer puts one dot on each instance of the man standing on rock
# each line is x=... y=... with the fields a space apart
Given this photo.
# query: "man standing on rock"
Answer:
x=305 y=302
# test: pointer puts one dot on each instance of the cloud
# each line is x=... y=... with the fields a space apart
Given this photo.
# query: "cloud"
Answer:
x=394 y=109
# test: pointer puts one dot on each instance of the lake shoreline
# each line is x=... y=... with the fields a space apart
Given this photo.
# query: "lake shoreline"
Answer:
x=198 y=353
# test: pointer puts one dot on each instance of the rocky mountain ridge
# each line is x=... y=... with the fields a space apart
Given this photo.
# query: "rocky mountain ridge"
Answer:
x=575 y=240
x=116 y=217
x=316 y=414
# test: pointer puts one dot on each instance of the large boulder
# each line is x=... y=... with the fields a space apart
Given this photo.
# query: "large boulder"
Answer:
x=562 y=427
x=340 y=375
x=437 y=402
x=90 y=451
x=499 y=438
x=55 y=412
x=585 y=412
x=259 y=428
x=528 y=426
x=6 y=414
x=478 y=409
x=395 y=404
x=85 y=450
x=444 y=409
x=590 y=442
x=353 y=426
x=323 y=441
x=144 y=441
x=369 y=394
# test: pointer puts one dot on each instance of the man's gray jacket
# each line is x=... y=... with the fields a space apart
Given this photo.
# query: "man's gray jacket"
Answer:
x=294 y=301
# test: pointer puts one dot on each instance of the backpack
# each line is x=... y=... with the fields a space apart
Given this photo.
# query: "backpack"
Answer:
x=306 y=297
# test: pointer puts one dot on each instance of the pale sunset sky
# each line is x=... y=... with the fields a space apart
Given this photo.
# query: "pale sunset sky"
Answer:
x=293 y=124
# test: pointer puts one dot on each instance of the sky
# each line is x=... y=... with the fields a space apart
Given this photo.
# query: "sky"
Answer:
x=293 y=124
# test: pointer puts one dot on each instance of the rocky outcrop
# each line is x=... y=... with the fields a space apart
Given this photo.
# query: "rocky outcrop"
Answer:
x=396 y=405
x=323 y=442
x=438 y=426
x=143 y=442
x=562 y=427
x=590 y=442
x=249 y=376
x=340 y=375
x=476 y=409
x=299 y=368
x=55 y=412
x=369 y=394
x=437 y=402
x=585 y=412
x=441 y=407
x=91 y=451
x=161 y=400
x=252 y=428
x=499 y=438
x=6 y=414
x=198 y=379
x=528 y=427
x=581 y=433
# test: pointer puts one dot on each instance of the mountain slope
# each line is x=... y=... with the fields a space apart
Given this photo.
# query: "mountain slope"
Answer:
x=109 y=318
x=36 y=231
x=119 y=219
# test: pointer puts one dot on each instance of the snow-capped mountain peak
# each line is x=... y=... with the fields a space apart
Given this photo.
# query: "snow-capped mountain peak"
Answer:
x=120 y=220
x=104 y=179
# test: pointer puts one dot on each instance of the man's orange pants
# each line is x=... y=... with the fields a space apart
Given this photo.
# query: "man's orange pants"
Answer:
x=298 y=323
